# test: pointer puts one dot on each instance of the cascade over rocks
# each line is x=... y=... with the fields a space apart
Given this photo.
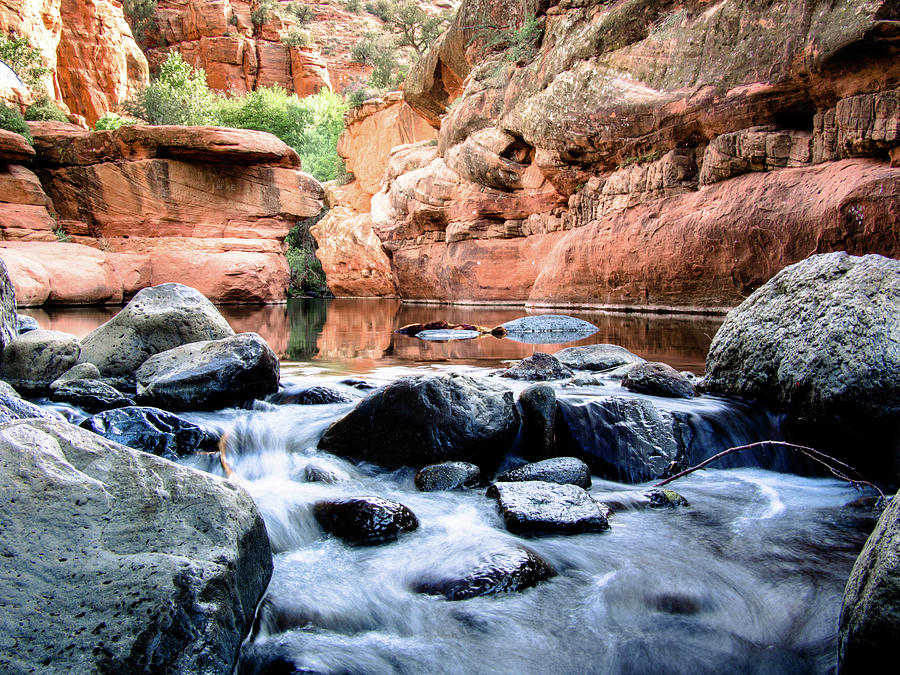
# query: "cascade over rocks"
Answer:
x=118 y=556
x=424 y=419
x=209 y=375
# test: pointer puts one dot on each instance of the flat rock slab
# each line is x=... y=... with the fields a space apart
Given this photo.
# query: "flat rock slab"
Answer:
x=549 y=323
x=92 y=396
x=447 y=335
x=538 y=507
x=115 y=561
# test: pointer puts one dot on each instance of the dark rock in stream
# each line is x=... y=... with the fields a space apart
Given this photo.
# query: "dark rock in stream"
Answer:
x=538 y=403
x=115 y=561
x=538 y=507
x=13 y=407
x=537 y=367
x=597 y=357
x=152 y=430
x=425 y=419
x=306 y=395
x=447 y=476
x=92 y=396
x=561 y=470
x=26 y=323
x=30 y=362
x=870 y=614
x=508 y=571
x=365 y=520
x=665 y=499
x=209 y=375
x=658 y=379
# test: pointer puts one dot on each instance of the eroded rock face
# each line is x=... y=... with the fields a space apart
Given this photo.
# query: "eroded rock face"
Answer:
x=156 y=567
x=9 y=321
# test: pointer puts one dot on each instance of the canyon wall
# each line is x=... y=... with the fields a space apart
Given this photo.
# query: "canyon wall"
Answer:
x=645 y=154
x=116 y=211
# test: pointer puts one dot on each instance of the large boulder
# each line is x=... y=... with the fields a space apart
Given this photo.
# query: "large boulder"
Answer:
x=156 y=319
x=209 y=375
x=597 y=357
x=561 y=470
x=116 y=561
x=425 y=419
x=538 y=405
x=870 y=614
x=537 y=507
x=9 y=323
x=33 y=360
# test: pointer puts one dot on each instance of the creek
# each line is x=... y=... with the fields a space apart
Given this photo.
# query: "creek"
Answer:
x=747 y=579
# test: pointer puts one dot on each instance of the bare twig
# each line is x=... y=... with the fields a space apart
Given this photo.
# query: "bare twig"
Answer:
x=223 y=443
x=835 y=466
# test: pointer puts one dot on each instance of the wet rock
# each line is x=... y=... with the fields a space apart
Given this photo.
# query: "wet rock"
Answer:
x=152 y=430
x=92 y=396
x=9 y=322
x=356 y=383
x=447 y=476
x=537 y=367
x=82 y=371
x=26 y=323
x=447 y=335
x=12 y=407
x=561 y=470
x=597 y=357
x=819 y=340
x=6 y=389
x=658 y=379
x=209 y=375
x=870 y=614
x=538 y=507
x=583 y=380
x=425 y=419
x=156 y=319
x=30 y=362
x=322 y=472
x=538 y=404
x=547 y=325
x=365 y=520
x=316 y=395
x=509 y=571
x=155 y=567
x=625 y=439
x=662 y=499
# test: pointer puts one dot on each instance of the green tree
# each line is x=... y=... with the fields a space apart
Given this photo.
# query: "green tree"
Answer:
x=25 y=60
x=414 y=27
x=12 y=120
x=140 y=15
x=178 y=95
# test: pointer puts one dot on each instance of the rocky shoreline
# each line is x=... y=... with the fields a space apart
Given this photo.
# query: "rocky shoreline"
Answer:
x=192 y=550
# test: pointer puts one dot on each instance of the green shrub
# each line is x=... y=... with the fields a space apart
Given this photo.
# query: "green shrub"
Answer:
x=307 y=275
x=382 y=9
x=112 y=121
x=301 y=12
x=416 y=28
x=520 y=44
x=354 y=6
x=25 y=60
x=297 y=37
x=12 y=120
x=264 y=10
x=45 y=109
x=179 y=95
x=365 y=50
x=140 y=15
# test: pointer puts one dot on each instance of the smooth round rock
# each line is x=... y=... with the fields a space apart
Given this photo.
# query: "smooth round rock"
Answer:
x=538 y=404
x=26 y=323
x=538 y=367
x=31 y=361
x=81 y=371
x=658 y=379
x=447 y=476
x=561 y=470
x=365 y=520
x=596 y=357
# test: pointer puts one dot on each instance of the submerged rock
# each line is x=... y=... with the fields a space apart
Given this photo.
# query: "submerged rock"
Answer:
x=561 y=470
x=508 y=571
x=870 y=614
x=315 y=395
x=152 y=430
x=365 y=520
x=537 y=367
x=597 y=357
x=538 y=507
x=661 y=499
x=30 y=362
x=549 y=323
x=447 y=476
x=90 y=395
x=538 y=404
x=209 y=375
x=658 y=379
x=136 y=565
x=156 y=319
x=425 y=419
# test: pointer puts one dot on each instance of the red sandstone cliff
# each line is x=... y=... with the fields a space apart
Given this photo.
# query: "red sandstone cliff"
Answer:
x=140 y=206
x=646 y=154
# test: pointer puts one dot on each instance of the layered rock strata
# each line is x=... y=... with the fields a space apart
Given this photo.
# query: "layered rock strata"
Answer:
x=141 y=206
x=645 y=154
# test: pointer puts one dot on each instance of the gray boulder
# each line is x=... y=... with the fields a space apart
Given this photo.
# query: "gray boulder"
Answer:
x=156 y=319
x=548 y=329
x=92 y=396
x=870 y=614
x=538 y=404
x=597 y=357
x=9 y=321
x=31 y=361
x=658 y=379
x=821 y=339
x=447 y=476
x=426 y=419
x=13 y=407
x=119 y=562
x=315 y=395
x=561 y=470
x=537 y=367
x=538 y=507
x=26 y=323
x=209 y=375
x=82 y=371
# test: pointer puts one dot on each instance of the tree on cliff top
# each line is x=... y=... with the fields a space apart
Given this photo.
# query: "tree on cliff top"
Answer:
x=178 y=95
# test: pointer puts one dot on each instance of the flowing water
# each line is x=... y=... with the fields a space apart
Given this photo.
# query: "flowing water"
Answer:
x=747 y=579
